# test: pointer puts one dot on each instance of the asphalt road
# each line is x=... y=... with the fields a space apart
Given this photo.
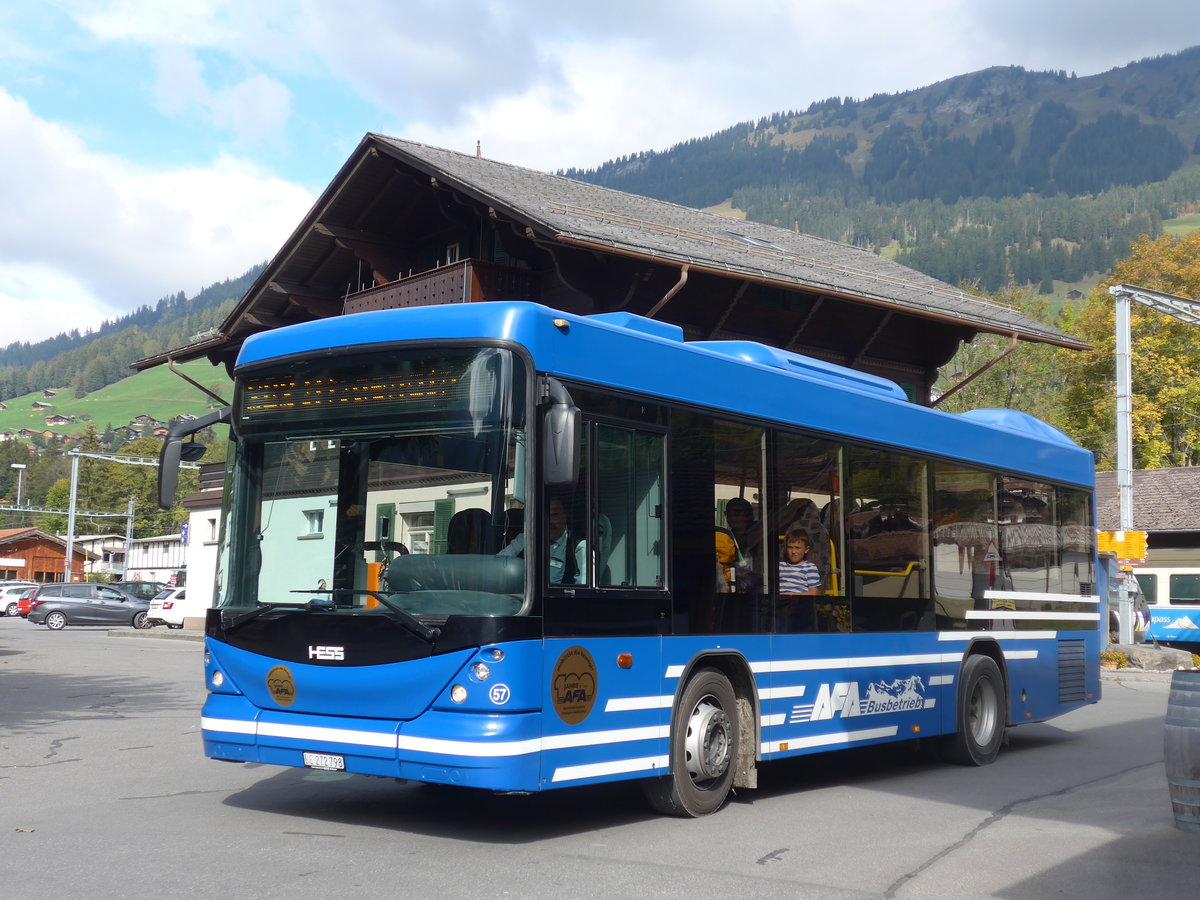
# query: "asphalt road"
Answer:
x=104 y=792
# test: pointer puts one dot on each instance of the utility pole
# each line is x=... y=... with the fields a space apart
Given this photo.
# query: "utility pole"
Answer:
x=110 y=457
x=1186 y=311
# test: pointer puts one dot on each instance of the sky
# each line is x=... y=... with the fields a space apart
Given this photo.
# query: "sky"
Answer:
x=149 y=147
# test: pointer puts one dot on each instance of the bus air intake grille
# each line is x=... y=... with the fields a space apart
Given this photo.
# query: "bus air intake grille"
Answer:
x=1071 y=686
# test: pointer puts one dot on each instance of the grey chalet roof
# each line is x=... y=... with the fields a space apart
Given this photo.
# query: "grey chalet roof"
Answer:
x=1163 y=500
x=598 y=250
x=588 y=214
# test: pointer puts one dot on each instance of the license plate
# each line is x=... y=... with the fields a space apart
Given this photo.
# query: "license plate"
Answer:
x=325 y=761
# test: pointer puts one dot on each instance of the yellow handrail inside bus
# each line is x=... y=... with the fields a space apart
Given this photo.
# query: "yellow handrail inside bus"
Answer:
x=905 y=572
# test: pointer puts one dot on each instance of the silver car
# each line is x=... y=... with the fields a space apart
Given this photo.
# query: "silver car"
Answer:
x=59 y=605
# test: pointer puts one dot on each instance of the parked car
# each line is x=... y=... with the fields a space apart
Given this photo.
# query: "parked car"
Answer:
x=10 y=592
x=23 y=601
x=58 y=605
x=147 y=590
x=168 y=608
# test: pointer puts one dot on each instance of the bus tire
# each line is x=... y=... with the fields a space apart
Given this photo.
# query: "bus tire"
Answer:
x=981 y=715
x=704 y=749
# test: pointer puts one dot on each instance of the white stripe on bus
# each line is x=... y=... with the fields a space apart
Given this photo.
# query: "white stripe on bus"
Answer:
x=1027 y=614
x=625 y=704
x=1037 y=597
x=847 y=662
x=780 y=693
x=616 y=767
x=438 y=746
x=831 y=740
x=998 y=635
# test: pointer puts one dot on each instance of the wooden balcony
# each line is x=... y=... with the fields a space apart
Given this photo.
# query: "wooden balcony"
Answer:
x=466 y=281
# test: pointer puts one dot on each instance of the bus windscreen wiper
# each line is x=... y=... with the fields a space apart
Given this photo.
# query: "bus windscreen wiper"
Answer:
x=410 y=622
x=239 y=620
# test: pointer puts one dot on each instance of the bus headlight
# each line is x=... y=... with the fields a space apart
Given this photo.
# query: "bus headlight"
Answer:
x=480 y=671
x=495 y=653
x=217 y=678
x=458 y=693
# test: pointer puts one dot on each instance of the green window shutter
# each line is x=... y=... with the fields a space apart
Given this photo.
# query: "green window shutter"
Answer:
x=443 y=510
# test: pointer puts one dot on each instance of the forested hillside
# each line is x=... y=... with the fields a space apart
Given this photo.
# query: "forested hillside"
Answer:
x=995 y=177
x=89 y=361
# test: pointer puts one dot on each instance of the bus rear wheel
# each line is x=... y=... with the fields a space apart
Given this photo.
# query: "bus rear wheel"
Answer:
x=981 y=715
x=704 y=749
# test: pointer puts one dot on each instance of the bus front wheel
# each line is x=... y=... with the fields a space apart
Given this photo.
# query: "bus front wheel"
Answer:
x=981 y=715
x=704 y=749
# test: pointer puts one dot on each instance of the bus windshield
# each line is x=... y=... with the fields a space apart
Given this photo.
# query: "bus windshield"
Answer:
x=389 y=484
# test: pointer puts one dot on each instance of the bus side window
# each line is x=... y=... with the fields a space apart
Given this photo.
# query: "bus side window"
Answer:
x=888 y=525
x=805 y=478
x=629 y=498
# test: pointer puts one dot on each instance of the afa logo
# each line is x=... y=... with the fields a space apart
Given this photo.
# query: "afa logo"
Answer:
x=573 y=685
x=845 y=699
x=281 y=686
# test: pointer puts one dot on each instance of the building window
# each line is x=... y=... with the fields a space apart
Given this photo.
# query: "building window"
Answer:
x=314 y=523
x=418 y=531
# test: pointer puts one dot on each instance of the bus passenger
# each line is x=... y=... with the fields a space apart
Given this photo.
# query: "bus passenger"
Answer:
x=796 y=574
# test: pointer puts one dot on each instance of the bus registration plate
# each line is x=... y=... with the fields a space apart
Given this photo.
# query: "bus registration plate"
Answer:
x=325 y=761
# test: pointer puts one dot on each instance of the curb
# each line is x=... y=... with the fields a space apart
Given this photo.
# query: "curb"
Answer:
x=162 y=634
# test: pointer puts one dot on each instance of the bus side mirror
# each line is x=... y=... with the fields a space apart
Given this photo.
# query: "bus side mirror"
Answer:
x=560 y=438
x=174 y=451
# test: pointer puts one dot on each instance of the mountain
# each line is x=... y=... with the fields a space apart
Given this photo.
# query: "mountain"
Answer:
x=995 y=176
x=85 y=362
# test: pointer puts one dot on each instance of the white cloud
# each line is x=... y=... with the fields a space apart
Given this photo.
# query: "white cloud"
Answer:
x=254 y=108
x=95 y=232
x=40 y=301
x=183 y=22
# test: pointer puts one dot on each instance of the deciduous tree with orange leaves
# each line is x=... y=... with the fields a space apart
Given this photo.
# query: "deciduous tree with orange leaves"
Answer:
x=1165 y=361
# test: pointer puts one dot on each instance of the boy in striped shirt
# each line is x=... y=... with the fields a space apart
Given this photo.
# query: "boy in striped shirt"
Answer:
x=796 y=574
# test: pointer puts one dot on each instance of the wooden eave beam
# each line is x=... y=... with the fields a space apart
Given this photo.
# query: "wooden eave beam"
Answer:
x=315 y=303
x=728 y=311
x=808 y=317
x=320 y=307
x=341 y=233
x=862 y=351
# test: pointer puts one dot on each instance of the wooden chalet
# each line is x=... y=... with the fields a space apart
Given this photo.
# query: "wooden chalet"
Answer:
x=404 y=224
x=30 y=554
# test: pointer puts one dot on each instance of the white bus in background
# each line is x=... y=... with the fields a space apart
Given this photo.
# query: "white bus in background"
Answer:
x=1173 y=597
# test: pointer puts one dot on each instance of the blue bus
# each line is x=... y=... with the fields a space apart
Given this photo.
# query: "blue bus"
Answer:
x=500 y=546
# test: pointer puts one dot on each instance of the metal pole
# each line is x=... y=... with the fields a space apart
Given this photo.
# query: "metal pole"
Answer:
x=1124 y=343
x=71 y=519
x=128 y=542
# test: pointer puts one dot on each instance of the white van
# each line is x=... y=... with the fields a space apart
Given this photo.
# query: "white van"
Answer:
x=1173 y=598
